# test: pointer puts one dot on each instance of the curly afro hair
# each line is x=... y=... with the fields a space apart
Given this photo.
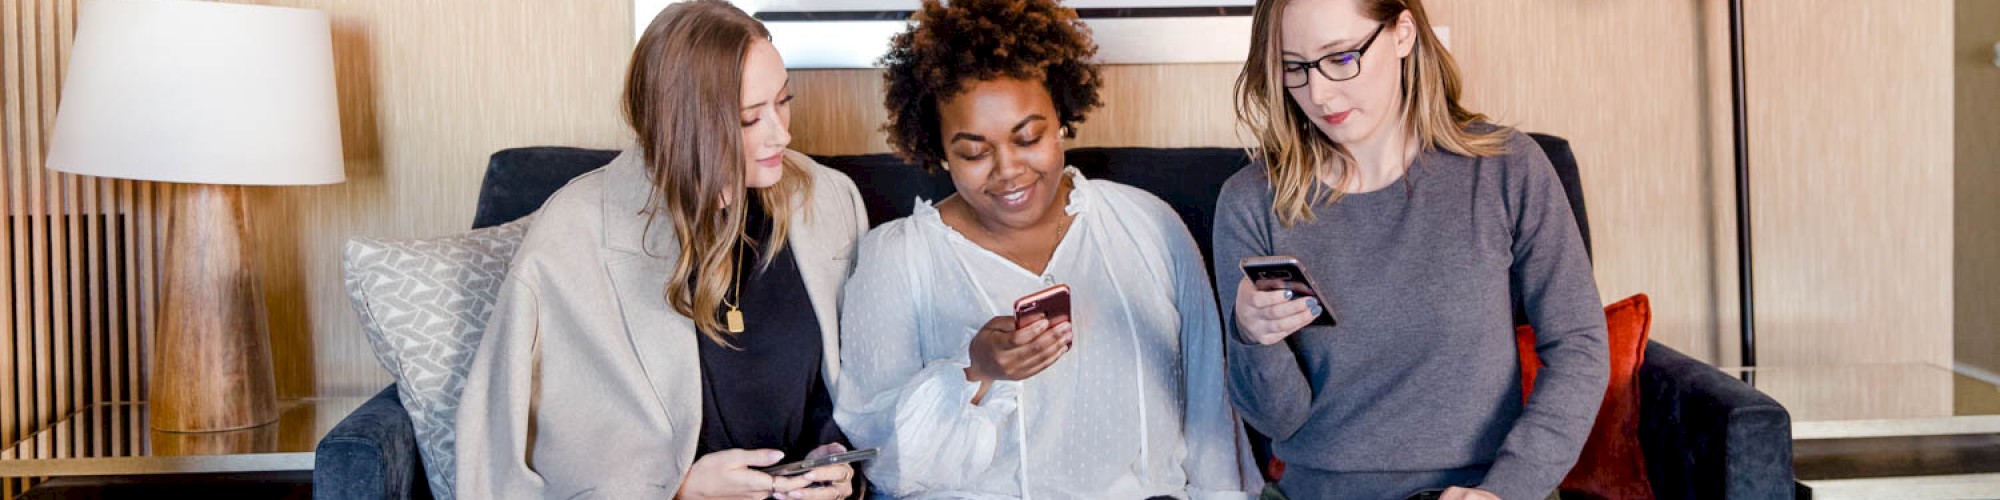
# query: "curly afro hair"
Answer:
x=977 y=40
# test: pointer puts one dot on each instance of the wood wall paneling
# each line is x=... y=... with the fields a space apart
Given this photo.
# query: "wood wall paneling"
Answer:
x=841 y=112
x=77 y=259
x=1633 y=113
x=427 y=91
x=1638 y=87
x=1976 y=261
x=1852 y=169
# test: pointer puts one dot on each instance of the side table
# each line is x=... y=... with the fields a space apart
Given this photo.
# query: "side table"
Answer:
x=110 y=444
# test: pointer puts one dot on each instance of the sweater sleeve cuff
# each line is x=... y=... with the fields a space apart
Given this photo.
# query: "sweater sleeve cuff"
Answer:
x=1239 y=348
x=1514 y=483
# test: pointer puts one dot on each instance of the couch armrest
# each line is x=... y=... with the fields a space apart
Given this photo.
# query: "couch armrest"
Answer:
x=371 y=454
x=1708 y=435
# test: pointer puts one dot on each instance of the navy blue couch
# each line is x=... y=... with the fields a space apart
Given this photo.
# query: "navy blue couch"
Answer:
x=1705 y=434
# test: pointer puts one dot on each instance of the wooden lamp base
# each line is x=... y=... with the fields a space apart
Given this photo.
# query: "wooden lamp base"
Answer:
x=212 y=353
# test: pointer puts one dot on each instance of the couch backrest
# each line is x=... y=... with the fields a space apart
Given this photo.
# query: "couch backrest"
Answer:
x=519 y=180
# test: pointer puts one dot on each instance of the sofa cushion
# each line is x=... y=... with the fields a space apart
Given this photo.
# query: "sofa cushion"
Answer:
x=1612 y=465
x=424 y=304
x=518 y=180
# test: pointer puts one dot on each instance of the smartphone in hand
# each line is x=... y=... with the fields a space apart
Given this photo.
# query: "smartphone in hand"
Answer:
x=1051 y=303
x=804 y=466
x=1283 y=272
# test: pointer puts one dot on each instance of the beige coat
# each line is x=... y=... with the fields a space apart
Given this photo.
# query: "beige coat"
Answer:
x=586 y=384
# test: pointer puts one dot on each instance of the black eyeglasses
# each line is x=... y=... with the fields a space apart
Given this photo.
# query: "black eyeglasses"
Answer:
x=1338 y=66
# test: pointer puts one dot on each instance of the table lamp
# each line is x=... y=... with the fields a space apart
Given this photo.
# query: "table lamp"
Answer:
x=212 y=96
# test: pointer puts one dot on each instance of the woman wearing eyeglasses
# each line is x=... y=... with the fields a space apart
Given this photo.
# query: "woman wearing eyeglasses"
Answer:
x=1424 y=226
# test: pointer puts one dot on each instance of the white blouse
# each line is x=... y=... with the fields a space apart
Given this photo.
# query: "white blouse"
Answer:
x=1136 y=408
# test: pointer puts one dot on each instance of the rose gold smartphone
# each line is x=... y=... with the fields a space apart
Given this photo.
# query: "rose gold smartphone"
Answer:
x=1051 y=303
x=1283 y=272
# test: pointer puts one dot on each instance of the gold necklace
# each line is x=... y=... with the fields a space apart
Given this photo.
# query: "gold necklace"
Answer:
x=733 y=320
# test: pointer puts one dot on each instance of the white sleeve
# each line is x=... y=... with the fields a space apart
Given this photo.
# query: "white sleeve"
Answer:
x=1218 y=464
x=918 y=411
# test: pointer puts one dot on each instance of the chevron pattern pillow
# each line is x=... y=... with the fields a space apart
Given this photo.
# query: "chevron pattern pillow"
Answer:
x=424 y=304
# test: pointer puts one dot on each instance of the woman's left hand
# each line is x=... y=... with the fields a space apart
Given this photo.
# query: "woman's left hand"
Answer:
x=832 y=482
x=1456 y=493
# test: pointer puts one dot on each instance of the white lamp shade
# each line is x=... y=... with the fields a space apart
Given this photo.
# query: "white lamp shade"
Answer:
x=199 y=92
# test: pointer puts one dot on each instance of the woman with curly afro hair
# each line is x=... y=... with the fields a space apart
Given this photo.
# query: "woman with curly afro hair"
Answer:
x=1121 y=396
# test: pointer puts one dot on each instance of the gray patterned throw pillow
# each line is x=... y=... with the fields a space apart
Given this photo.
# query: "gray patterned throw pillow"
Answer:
x=424 y=304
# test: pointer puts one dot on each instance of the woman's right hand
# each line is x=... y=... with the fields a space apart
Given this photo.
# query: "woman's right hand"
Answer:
x=730 y=475
x=1001 y=352
x=1265 y=317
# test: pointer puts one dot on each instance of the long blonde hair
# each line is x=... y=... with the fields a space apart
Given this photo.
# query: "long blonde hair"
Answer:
x=1293 y=150
x=682 y=94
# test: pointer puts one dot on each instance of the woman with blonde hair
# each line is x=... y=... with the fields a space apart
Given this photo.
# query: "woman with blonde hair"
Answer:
x=668 y=325
x=1425 y=226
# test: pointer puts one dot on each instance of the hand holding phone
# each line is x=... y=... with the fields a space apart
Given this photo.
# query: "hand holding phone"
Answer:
x=1050 y=303
x=803 y=466
x=1018 y=347
x=1277 y=298
x=733 y=474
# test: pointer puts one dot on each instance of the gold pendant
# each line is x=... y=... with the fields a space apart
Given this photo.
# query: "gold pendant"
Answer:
x=735 y=320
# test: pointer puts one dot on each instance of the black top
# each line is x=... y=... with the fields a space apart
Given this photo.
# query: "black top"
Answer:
x=767 y=391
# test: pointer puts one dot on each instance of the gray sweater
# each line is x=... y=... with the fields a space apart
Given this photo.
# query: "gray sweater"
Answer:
x=1420 y=384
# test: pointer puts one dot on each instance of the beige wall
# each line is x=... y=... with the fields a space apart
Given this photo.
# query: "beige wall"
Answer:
x=1850 y=201
x=1852 y=153
x=1977 y=276
x=1854 y=250
x=428 y=90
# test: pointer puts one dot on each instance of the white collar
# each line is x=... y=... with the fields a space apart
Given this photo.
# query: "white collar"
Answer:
x=1080 y=194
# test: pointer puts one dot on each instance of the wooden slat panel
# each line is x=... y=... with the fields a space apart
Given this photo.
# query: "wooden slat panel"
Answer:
x=124 y=309
x=127 y=345
x=74 y=300
x=11 y=288
x=90 y=371
x=38 y=235
x=12 y=266
x=78 y=257
x=13 y=421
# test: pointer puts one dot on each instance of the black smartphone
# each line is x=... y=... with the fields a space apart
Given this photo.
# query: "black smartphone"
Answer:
x=1283 y=272
x=804 y=466
x=1427 y=494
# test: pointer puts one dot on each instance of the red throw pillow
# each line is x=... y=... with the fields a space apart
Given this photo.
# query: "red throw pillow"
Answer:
x=1612 y=465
